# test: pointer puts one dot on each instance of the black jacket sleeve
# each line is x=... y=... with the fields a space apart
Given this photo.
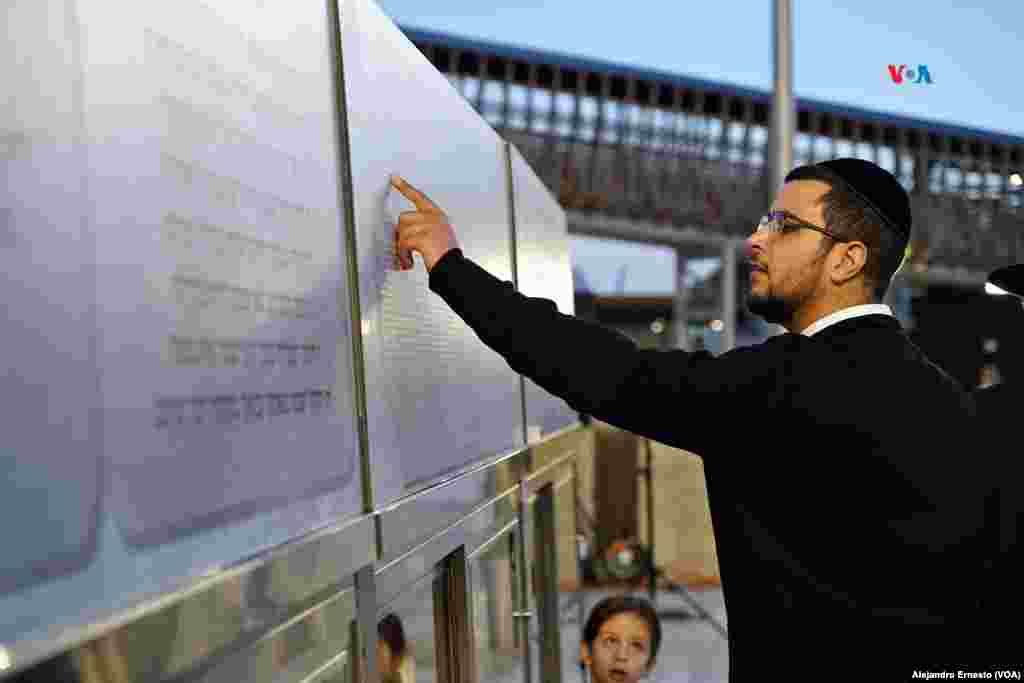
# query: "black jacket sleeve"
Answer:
x=670 y=396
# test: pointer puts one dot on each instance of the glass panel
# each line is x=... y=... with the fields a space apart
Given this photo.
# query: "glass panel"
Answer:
x=616 y=267
x=887 y=159
x=337 y=671
x=414 y=611
x=455 y=81
x=295 y=650
x=471 y=88
x=822 y=147
x=493 y=578
x=759 y=136
x=564 y=104
x=992 y=186
x=517 y=103
x=802 y=148
x=954 y=178
x=589 y=106
x=713 y=134
x=974 y=186
x=222 y=634
x=409 y=523
x=541 y=110
x=907 y=171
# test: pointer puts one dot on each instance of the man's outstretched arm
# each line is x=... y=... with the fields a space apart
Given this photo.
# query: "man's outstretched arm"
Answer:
x=668 y=396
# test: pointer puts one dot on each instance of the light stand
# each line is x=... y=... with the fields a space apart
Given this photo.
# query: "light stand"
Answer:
x=647 y=472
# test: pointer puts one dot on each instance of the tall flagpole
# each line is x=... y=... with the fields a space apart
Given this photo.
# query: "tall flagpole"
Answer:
x=783 y=120
x=783 y=107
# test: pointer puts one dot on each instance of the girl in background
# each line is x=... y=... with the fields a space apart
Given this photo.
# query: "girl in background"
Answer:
x=394 y=661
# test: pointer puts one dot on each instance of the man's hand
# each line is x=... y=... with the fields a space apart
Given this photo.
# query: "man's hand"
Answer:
x=425 y=230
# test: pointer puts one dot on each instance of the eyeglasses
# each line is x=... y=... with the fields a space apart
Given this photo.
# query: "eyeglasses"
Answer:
x=779 y=222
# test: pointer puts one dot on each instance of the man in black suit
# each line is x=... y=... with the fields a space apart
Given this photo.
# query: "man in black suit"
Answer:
x=847 y=519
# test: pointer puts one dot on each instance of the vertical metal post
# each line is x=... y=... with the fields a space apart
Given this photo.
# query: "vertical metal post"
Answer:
x=680 y=316
x=729 y=295
x=364 y=650
x=783 y=109
x=546 y=566
x=453 y=647
x=652 y=571
x=524 y=614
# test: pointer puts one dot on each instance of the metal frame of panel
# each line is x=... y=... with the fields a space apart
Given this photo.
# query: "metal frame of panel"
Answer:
x=539 y=509
x=471 y=531
x=459 y=540
x=552 y=449
x=518 y=584
x=406 y=522
x=542 y=269
x=544 y=571
x=336 y=553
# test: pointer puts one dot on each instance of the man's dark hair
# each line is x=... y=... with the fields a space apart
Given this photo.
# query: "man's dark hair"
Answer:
x=851 y=218
x=619 y=604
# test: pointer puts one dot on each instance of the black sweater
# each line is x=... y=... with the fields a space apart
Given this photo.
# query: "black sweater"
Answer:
x=846 y=511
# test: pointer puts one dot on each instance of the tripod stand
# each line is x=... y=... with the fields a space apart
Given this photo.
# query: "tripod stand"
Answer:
x=647 y=472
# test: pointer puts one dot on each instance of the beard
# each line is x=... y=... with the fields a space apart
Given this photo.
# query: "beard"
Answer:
x=774 y=309
x=777 y=309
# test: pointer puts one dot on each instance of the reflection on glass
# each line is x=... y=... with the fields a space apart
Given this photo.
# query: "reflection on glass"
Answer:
x=337 y=671
x=395 y=663
x=412 y=616
x=492 y=586
x=311 y=642
x=565 y=529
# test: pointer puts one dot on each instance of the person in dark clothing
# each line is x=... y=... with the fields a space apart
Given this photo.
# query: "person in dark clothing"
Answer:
x=847 y=516
x=999 y=409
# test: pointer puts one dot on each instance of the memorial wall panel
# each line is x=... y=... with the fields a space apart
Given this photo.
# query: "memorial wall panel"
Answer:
x=226 y=362
x=438 y=399
x=173 y=246
x=50 y=454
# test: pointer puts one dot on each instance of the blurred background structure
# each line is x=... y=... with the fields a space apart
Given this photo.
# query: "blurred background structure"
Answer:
x=683 y=164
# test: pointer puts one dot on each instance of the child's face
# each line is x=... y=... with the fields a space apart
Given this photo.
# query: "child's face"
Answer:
x=621 y=653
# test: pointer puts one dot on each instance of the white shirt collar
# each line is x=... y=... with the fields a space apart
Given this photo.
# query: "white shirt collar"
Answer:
x=845 y=314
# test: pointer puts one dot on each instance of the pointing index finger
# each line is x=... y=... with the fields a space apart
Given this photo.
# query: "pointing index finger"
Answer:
x=420 y=200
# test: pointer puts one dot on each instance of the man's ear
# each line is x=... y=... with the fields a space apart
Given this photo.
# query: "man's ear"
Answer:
x=853 y=261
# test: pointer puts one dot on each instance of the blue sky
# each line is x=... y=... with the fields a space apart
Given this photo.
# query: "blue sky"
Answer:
x=841 y=50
